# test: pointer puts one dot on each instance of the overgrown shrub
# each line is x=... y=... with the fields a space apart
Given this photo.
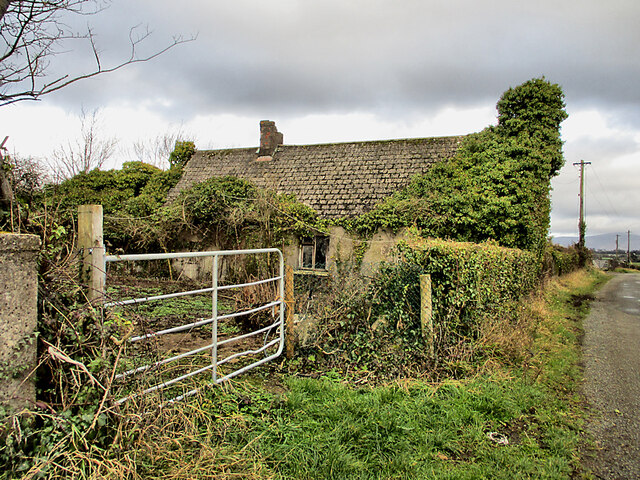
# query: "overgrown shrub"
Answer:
x=469 y=283
x=118 y=191
x=377 y=333
x=232 y=213
x=497 y=185
x=566 y=259
x=182 y=152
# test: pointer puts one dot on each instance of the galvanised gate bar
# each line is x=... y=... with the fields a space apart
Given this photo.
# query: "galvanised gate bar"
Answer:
x=277 y=305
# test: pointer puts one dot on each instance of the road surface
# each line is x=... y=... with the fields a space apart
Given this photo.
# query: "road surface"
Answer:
x=612 y=377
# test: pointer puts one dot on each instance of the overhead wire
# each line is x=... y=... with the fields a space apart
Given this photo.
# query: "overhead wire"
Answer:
x=604 y=190
x=613 y=211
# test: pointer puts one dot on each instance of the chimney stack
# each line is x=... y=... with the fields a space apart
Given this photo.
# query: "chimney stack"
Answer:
x=270 y=138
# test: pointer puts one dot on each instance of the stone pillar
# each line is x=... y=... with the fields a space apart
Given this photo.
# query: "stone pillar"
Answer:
x=18 y=319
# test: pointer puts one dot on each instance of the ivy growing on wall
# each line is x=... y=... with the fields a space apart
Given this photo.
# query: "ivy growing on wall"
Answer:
x=236 y=213
x=471 y=282
x=476 y=288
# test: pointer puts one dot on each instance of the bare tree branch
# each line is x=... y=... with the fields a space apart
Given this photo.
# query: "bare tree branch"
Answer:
x=89 y=152
x=30 y=33
x=156 y=151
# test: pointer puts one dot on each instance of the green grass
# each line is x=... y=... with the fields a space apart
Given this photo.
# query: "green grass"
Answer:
x=627 y=270
x=328 y=430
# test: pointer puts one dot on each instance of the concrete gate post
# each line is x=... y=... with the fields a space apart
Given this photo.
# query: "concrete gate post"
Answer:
x=18 y=319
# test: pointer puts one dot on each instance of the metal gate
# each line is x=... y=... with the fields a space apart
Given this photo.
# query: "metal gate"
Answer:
x=276 y=328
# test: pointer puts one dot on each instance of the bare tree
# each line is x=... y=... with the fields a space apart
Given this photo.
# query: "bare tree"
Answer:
x=30 y=33
x=156 y=151
x=88 y=152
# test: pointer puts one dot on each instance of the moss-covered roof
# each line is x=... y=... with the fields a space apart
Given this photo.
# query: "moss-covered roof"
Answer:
x=337 y=180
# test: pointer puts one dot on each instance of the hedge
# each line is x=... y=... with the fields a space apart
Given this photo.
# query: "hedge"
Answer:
x=469 y=282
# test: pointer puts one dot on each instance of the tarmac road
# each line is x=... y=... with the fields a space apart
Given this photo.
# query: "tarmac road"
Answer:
x=611 y=350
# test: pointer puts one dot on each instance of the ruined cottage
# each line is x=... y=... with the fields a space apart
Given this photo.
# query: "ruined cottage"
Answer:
x=336 y=179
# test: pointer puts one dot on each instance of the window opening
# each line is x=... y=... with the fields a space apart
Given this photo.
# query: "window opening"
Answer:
x=313 y=252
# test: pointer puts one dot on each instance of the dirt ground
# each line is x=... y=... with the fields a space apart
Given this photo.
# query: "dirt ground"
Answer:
x=164 y=314
x=612 y=378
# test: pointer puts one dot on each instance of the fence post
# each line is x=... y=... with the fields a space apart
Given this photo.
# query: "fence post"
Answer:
x=91 y=247
x=289 y=310
x=426 y=313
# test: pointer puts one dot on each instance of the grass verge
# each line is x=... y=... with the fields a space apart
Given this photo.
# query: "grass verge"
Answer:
x=506 y=421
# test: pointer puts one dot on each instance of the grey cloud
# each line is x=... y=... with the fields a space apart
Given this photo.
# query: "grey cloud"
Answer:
x=600 y=150
x=335 y=56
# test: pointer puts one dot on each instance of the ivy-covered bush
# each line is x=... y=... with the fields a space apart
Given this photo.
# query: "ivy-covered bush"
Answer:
x=496 y=187
x=129 y=197
x=469 y=282
x=234 y=213
x=182 y=153
x=154 y=193
x=566 y=259
x=116 y=190
x=476 y=288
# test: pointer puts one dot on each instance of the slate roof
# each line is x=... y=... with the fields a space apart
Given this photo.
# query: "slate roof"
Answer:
x=337 y=180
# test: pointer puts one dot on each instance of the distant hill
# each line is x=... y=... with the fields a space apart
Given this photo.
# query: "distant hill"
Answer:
x=604 y=241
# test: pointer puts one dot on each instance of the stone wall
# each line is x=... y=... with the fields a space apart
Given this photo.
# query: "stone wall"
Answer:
x=345 y=251
x=365 y=255
x=18 y=319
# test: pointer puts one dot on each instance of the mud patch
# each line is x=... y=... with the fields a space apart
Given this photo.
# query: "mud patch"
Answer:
x=578 y=300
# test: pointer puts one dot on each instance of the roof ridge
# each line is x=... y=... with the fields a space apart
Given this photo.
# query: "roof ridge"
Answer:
x=409 y=139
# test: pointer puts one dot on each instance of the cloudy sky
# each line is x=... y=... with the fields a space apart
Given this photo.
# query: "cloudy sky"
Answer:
x=335 y=70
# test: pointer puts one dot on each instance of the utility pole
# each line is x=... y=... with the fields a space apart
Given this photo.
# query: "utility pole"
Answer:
x=628 y=248
x=617 y=235
x=581 y=226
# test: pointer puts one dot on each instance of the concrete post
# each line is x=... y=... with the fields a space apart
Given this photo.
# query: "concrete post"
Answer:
x=426 y=313
x=91 y=246
x=289 y=310
x=18 y=319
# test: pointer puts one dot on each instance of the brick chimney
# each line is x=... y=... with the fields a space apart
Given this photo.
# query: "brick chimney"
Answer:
x=270 y=138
